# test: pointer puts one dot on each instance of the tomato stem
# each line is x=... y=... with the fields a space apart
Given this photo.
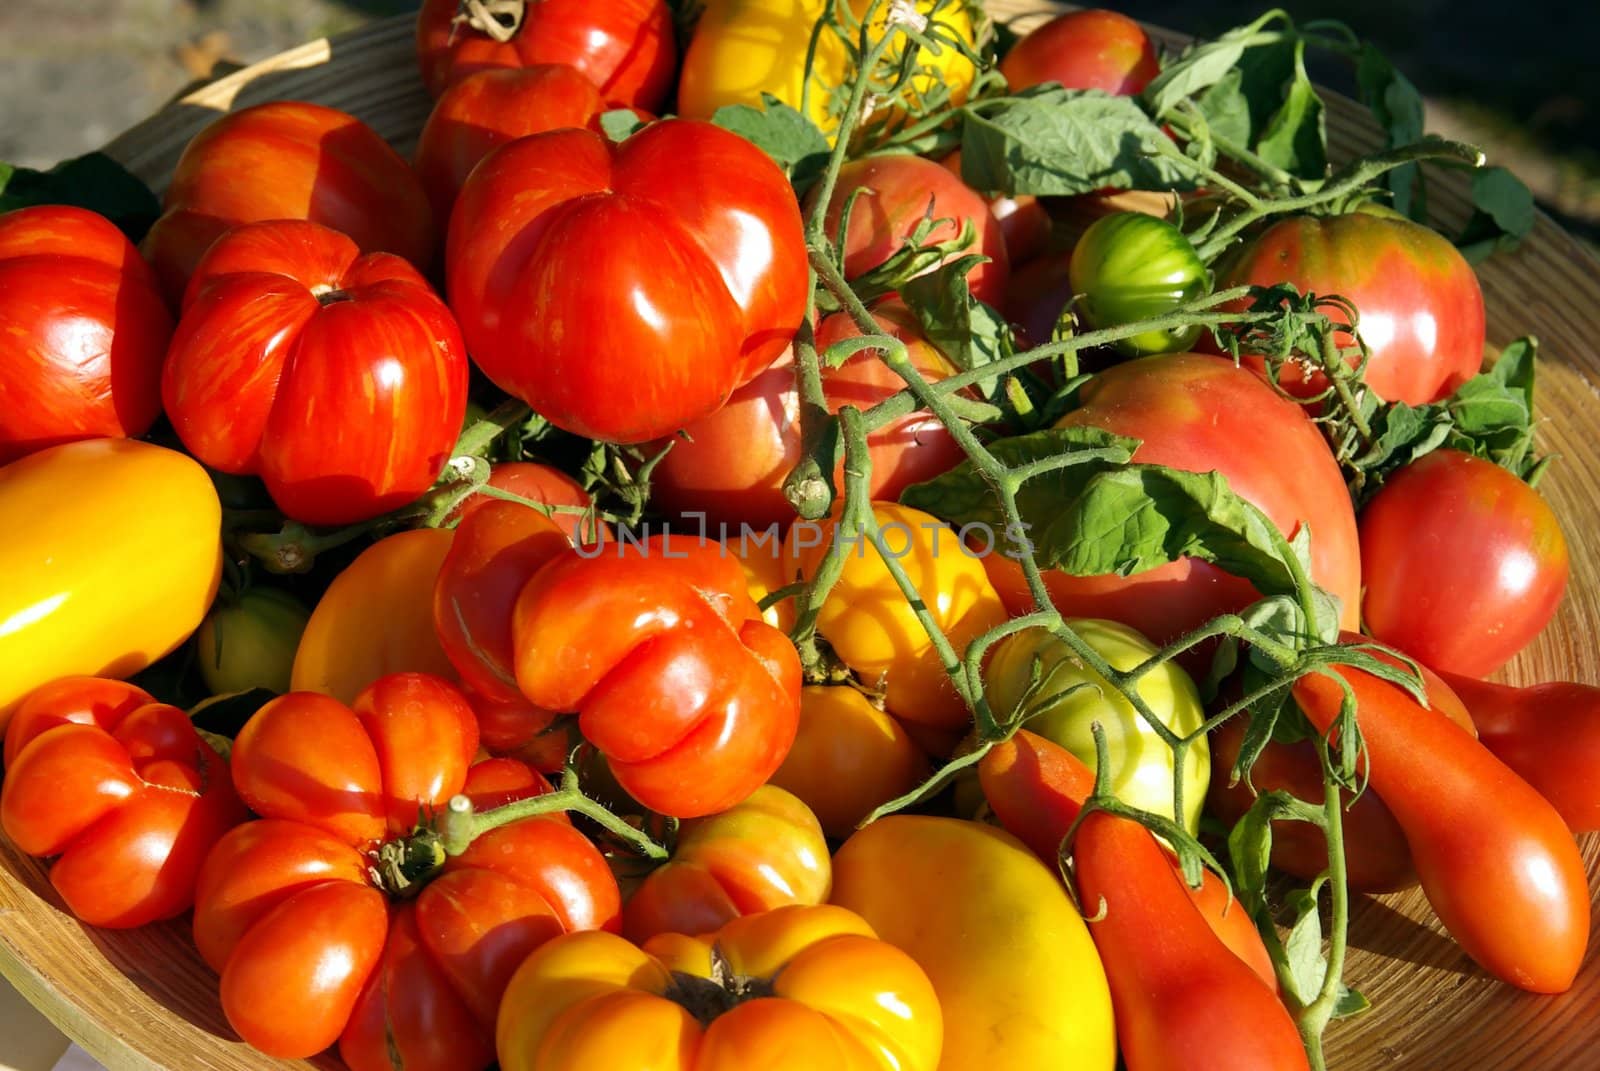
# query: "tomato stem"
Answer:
x=458 y=825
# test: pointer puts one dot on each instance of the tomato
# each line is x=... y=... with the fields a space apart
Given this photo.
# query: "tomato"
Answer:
x=890 y=195
x=1549 y=734
x=1201 y=414
x=763 y=853
x=731 y=465
x=848 y=758
x=1093 y=49
x=112 y=558
x=996 y=933
x=249 y=641
x=1142 y=764
x=376 y=618
x=122 y=791
x=340 y=379
x=792 y=989
x=490 y=108
x=742 y=49
x=540 y=483
x=1465 y=563
x=625 y=47
x=288 y=160
x=1024 y=223
x=1495 y=859
x=1133 y=266
x=1420 y=304
x=658 y=647
x=624 y=291
x=86 y=329
x=873 y=628
x=1183 y=1001
x=311 y=952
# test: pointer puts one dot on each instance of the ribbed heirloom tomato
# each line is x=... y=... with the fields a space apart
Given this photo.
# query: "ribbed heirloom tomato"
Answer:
x=311 y=950
x=339 y=378
x=624 y=290
x=85 y=328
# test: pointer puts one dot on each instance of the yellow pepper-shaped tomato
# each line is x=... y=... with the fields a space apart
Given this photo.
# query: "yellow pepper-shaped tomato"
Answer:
x=872 y=626
x=744 y=48
x=794 y=989
x=1017 y=974
x=112 y=556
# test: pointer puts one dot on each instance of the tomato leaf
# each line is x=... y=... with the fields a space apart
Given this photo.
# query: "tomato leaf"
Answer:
x=94 y=181
x=1202 y=65
x=1397 y=106
x=969 y=332
x=784 y=134
x=620 y=124
x=1504 y=214
x=1350 y=1003
x=1049 y=141
x=1296 y=138
x=1303 y=947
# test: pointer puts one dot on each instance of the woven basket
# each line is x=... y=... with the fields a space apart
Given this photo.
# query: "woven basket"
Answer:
x=144 y=1000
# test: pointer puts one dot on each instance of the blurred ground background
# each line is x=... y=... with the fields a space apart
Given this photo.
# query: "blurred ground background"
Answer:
x=1518 y=78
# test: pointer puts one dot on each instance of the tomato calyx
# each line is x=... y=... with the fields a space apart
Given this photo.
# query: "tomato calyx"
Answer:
x=709 y=998
x=499 y=19
x=404 y=866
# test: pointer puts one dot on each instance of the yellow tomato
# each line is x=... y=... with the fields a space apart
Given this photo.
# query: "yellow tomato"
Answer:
x=744 y=48
x=112 y=554
x=870 y=623
x=376 y=618
x=760 y=556
x=795 y=989
x=1010 y=957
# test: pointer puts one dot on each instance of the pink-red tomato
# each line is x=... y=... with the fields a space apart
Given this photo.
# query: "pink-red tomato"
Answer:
x=1023 y=220
x=340 y=379
x=538 y=483
x=1093 y=49
x=624 y=291
x=85 y=328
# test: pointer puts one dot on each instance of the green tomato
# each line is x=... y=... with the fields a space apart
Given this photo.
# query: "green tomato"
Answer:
x=1141 y=763
x=249 y=642
x=1131 y=266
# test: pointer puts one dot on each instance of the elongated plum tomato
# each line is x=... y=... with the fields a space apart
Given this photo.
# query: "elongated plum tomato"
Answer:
x=625 y=47
x=86 y=331
x=288 y=160
x=1465 y=563
x=731 y=465
x=340 y=379
x=890 y=195
x=792 y=989
x=122 y=791
x=1203 y=414
x=490 y=108
x=311 y=951
x=1133 y=266
x=623 y=291
x=1420 y=305
x=1093 y=49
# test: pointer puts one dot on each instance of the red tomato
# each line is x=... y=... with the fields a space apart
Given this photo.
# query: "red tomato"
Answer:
x=86 y=331
x=122 y=791
x=731 y=465
x=490 y=108
x=658 y=647
x=898 y=192
x=310 y=952
x=625 y=47
x=1093 y=49
x=1420 y=304
x=624 y=291
x=1465 y=563
x=1036 y=295
x=538 y=483
x=340 y=379
x=288 y=160
x=1200 y=414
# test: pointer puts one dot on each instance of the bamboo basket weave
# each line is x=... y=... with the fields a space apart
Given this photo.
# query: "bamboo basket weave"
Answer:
x=144 y=1000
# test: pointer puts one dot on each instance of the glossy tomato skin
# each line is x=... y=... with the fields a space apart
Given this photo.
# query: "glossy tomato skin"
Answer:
x=490 y=108
x=122 y=791
x=288 y=160
x=658 y=647
x=1093 y=49
x=1465 y=563
x=339 y=379
x=1133 y=266
x=86 y=327
x=732 y=465
x=765 y=852
x=827 y=993
x=897 y=193
x=1420 y=304
x=540 y=483
x=624 y=291
x=626 y=48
